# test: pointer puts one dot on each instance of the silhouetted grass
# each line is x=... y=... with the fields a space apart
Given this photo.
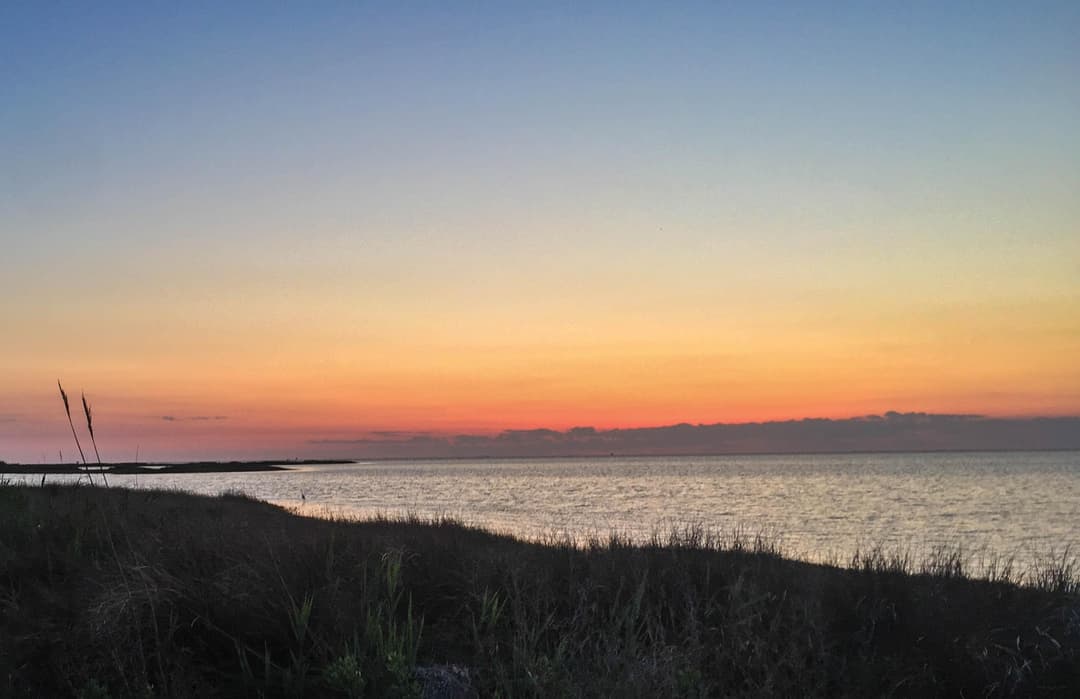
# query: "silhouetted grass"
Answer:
x=135 y=593
x=93 y=440
x=67 y=410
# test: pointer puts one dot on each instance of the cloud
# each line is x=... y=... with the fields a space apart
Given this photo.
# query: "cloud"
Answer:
x=398 y=438
x=892 y=431
x=194 y=418
x=399 y=434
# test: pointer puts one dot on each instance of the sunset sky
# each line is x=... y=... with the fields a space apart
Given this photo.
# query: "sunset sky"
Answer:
x=243 y=230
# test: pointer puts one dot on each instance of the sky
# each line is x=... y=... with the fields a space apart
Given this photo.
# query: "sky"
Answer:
x=249 y=230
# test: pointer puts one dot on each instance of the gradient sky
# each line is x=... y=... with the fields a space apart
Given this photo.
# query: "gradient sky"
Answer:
x=318 y=221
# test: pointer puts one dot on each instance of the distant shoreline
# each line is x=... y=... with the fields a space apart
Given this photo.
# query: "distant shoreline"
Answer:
x=173 y=467
x=167 y=468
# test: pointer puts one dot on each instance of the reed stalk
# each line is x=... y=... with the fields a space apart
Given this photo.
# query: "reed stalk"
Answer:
x=90 y=427
x=67 y=409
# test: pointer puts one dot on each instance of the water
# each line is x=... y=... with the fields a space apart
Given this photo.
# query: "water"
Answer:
x=1012 y=504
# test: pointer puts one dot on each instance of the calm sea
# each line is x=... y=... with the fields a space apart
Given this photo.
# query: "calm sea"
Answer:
x=1012 y=504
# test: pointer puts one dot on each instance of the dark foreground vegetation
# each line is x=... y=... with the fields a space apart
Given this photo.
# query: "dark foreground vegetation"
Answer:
x=114 y=592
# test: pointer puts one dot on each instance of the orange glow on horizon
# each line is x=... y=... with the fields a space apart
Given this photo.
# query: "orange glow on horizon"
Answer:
x=1016 y=360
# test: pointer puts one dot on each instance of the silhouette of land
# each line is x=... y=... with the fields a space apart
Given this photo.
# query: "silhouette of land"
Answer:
x=166 y=468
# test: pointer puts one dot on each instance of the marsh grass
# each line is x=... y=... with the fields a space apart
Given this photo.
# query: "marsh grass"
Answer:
x=88 y=413
x=71 y=423
x=152 y=593
x=93 y=440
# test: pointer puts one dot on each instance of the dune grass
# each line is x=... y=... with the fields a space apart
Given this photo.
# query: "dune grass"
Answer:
x=71 y=423
x=93 y=440
x=116 y=592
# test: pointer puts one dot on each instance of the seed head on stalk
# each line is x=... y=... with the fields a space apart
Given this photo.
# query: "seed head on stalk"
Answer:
x=67 y=409
x=90 y=427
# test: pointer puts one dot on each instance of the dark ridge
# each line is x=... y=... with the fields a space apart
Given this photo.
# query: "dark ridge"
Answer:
x=184 y=467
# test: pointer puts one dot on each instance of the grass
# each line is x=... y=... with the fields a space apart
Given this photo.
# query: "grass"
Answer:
x=123 y=593
x=67 y=410
x=93 y=440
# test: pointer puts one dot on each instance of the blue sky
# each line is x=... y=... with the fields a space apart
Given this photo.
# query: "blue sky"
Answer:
x=578 y=202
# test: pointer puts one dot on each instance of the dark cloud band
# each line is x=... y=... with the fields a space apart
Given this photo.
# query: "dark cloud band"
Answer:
x=889 y=432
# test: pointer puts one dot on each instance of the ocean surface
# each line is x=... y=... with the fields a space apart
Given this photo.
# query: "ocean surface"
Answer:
x=819 y=507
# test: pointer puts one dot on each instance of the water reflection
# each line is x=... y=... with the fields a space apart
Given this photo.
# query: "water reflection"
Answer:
x=821 y=505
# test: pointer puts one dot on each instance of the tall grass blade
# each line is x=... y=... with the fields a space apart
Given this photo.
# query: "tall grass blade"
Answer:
x=90 y=427
x=67 y=409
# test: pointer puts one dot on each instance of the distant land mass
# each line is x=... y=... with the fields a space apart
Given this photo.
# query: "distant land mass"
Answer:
x=165 y=468
x=892 y=431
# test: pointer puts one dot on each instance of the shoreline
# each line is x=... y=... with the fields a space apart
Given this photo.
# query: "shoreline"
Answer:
x=202 y=466
x=150 y=468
